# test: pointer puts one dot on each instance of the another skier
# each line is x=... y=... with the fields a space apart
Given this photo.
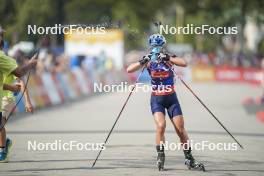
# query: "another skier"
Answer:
x=9 y=67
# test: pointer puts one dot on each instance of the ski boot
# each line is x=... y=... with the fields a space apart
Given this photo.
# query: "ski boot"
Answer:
x=191 y=163
x=8 y=146
x=161 y=160
x=5 y=151
x=160 y=157
x=2 y=156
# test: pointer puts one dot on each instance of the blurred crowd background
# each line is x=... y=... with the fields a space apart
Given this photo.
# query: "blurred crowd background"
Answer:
x=68 y=69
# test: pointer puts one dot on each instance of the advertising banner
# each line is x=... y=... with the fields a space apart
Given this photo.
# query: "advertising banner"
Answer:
x=203 y=73
x=231 y=74
x=234 y=74
x=109 y=44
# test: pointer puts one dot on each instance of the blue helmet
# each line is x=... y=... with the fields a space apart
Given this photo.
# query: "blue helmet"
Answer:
x=156 y=40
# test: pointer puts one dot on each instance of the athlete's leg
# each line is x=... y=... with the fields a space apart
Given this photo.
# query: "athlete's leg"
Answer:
x=160 y=138
x=178 y=124
x=5 y=143
x=5 y=111
x=160 y=121
x=175 y=114
x=158 y=111
x=2 y=138
x=176 y=117
x=2 y=135
x=2 y=141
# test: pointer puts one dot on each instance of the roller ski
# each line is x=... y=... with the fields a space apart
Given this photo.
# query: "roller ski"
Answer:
x=160 y=158
x=191 y=163
x=161 y=161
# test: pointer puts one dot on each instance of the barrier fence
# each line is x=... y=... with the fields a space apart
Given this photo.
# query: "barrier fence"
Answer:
x=235 y=75
x=227 y=74
x=50 y=89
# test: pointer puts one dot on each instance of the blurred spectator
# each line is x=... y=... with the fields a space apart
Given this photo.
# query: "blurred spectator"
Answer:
x=262 y=84
x=76 y=61
x=90 y=66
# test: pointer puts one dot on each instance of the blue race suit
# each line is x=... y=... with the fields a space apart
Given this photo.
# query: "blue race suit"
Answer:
x=163 y=94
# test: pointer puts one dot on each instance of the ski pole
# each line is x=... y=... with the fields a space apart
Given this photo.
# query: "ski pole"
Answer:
x=119 y=114
x=202 y=103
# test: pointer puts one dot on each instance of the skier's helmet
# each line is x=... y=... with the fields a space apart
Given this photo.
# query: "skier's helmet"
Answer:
x=156 y=40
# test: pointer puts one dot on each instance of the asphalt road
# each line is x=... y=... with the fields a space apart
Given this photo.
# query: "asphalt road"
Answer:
x=130 y=149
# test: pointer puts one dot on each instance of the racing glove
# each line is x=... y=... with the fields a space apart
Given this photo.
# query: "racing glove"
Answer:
x=164 y=57
x=144 y=60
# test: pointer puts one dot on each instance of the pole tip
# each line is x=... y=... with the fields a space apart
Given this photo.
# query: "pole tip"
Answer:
x=93 y=165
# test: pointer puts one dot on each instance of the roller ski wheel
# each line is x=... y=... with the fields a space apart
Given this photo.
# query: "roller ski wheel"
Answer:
x=193 y=165
x=161 y=161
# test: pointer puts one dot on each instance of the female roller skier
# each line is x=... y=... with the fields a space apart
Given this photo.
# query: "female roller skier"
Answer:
x=159 y=66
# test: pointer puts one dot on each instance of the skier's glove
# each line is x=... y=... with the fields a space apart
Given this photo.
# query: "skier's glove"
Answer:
x=164 y=57
x=144 y=60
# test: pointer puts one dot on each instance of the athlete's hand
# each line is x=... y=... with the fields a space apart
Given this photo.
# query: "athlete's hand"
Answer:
x=29 y=107
x=16 y=88
x=164 y=57
x=144 y=60
x=33 y=61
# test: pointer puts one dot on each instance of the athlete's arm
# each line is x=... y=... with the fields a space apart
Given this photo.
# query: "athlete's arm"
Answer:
x=173 y=59
x=12 y=88
x=22 y=70
x=178 y=61
x=28 y=105
x=136 y=66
